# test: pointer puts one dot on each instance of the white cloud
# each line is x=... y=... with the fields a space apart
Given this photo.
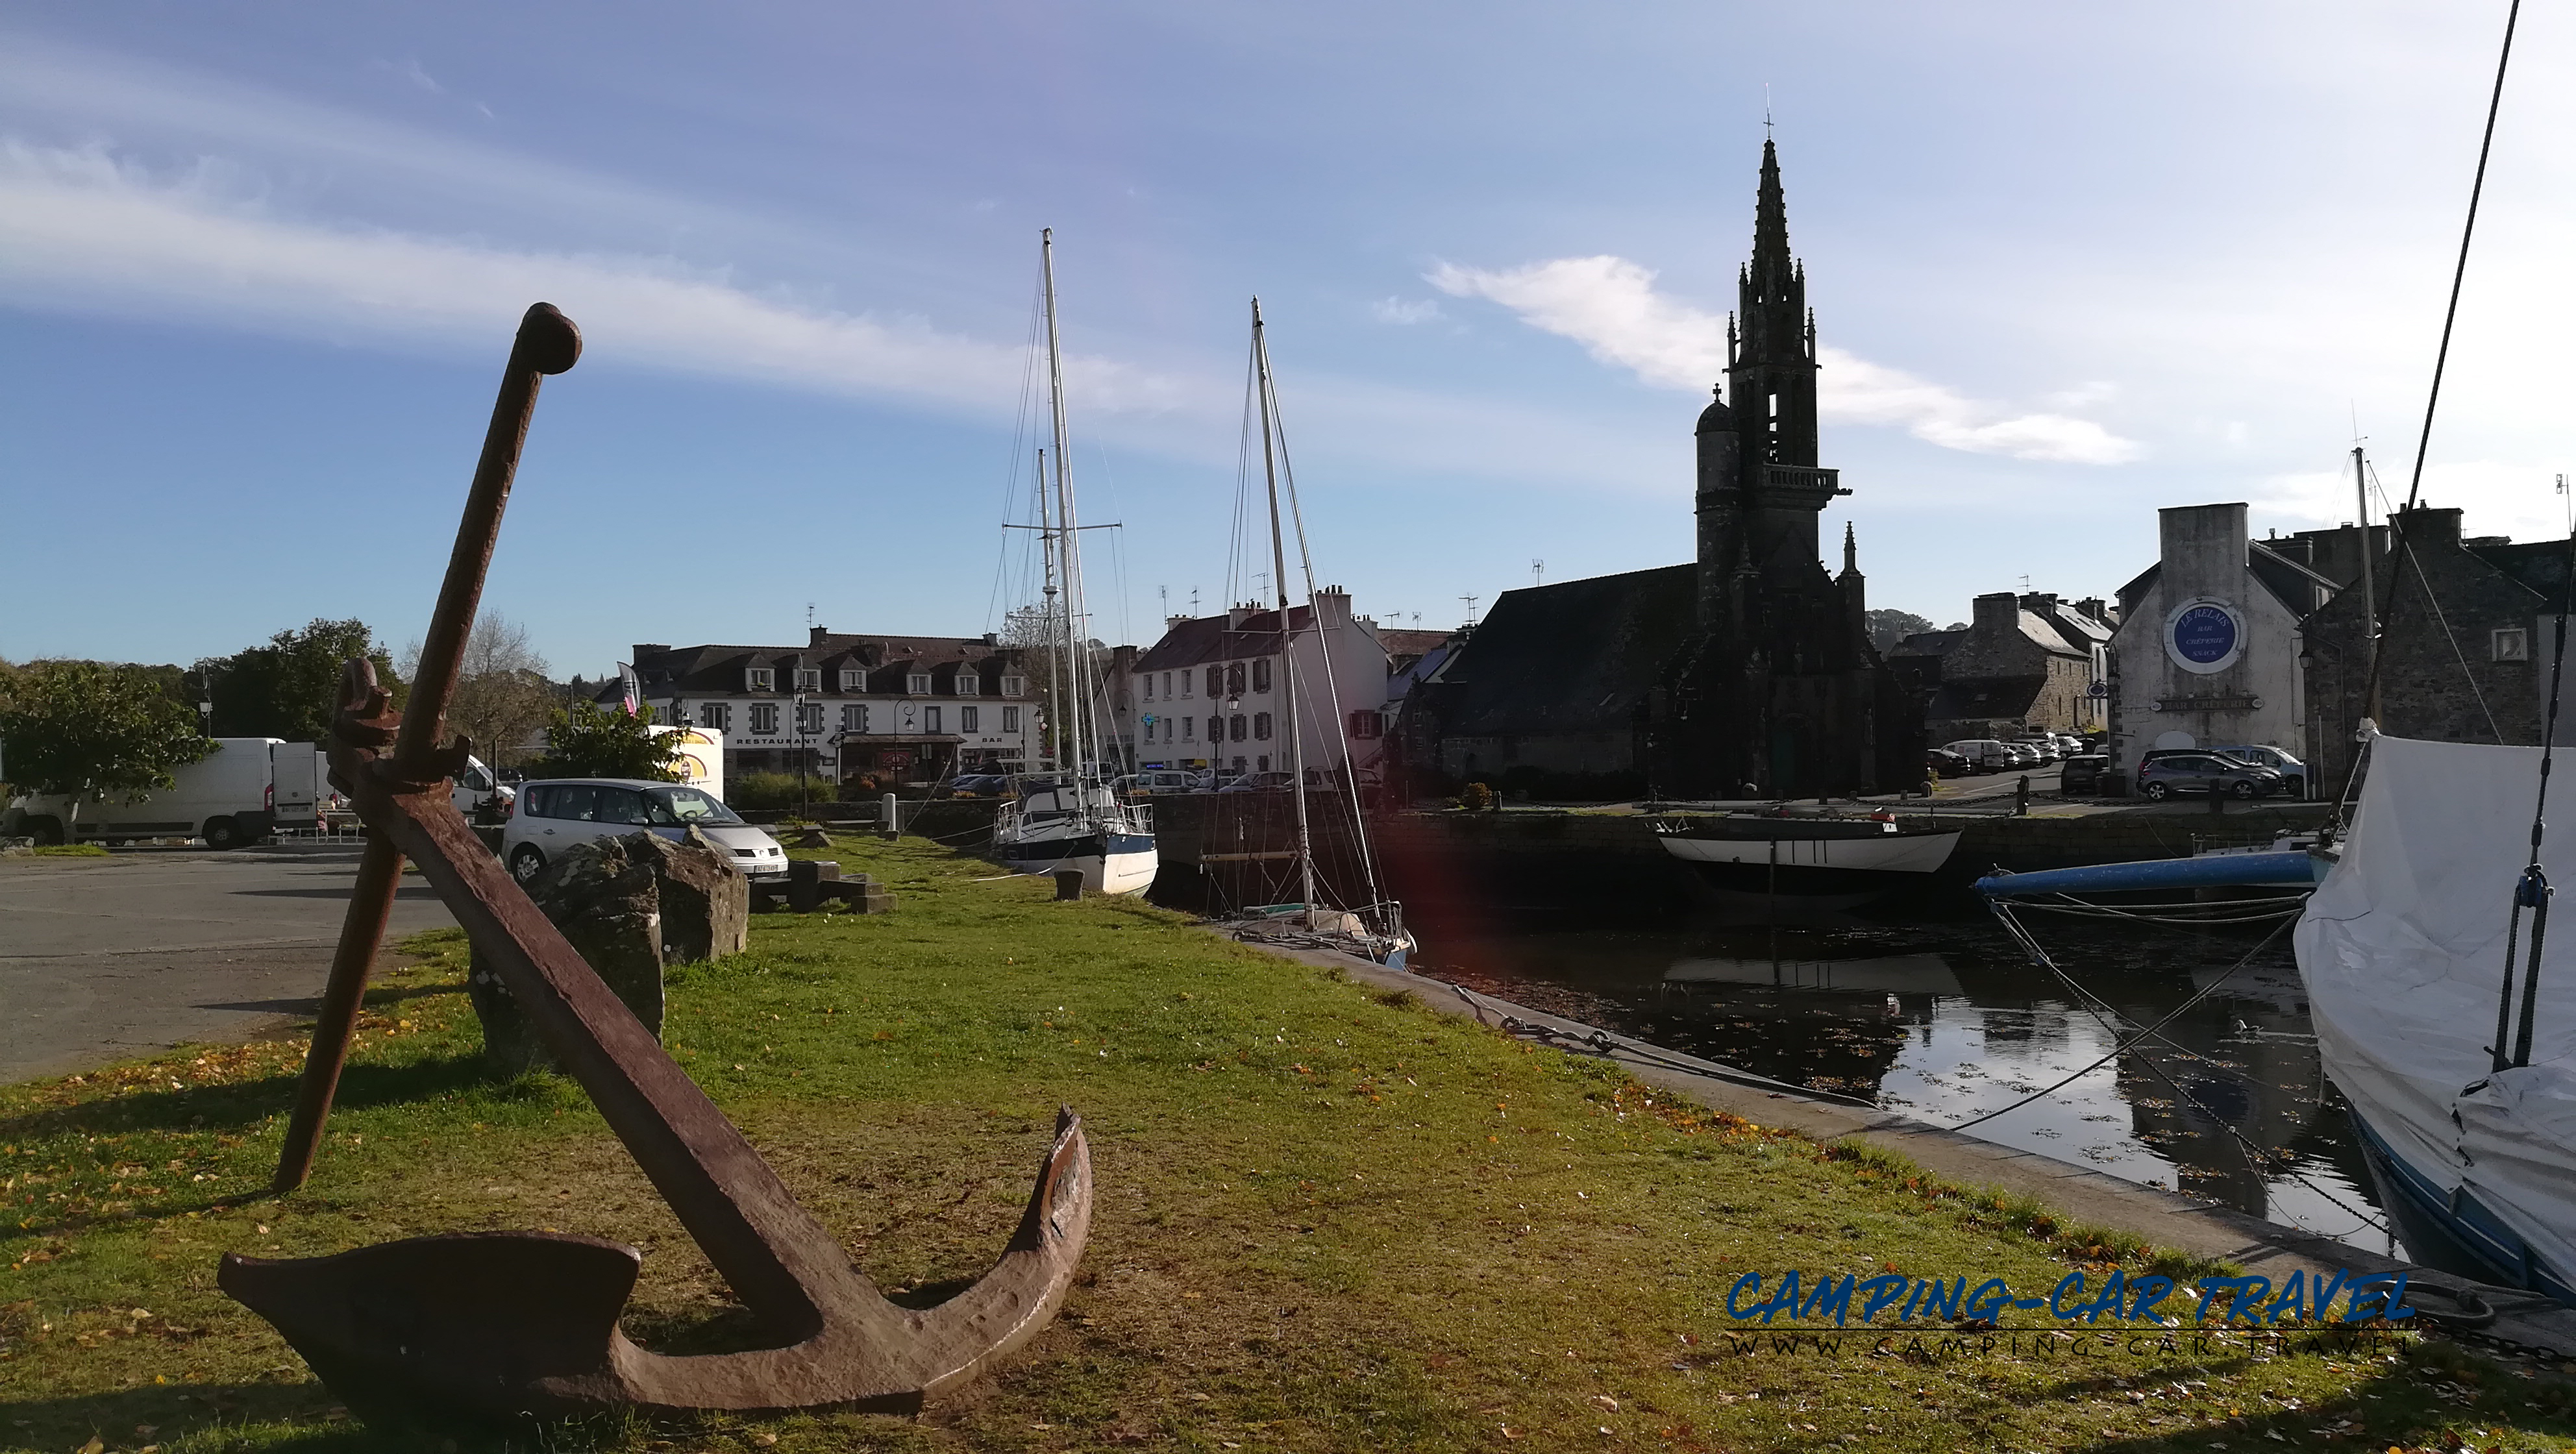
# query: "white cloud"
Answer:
x=83 y=231
x=1405 y=310
x=1610 y=306
x=79 y=228
x=2498 y=497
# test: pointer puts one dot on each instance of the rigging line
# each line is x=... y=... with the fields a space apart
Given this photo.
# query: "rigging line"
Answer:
x=1019 y=443
x=2122 y=1047
x=2444 y=621
x=2404 y=545
x=2533 y=890
x=1333 y=686
x=2255 y=1157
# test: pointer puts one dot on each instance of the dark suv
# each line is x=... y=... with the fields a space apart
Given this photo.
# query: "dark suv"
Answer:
x=2164 y=774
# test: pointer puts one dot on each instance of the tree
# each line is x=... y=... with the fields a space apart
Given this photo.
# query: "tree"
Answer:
x=85 y=730
x=290 y=687
x=585 y=741
x=1888 y=627
x=503 y=698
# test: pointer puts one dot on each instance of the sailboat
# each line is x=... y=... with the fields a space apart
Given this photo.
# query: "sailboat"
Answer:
x=1072 y=819
x=1375 y=928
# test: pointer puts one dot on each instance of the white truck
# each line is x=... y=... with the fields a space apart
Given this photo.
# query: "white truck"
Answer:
x=228 y=798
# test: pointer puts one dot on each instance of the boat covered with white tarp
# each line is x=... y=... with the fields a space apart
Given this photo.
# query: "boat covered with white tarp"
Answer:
x=2404 y=951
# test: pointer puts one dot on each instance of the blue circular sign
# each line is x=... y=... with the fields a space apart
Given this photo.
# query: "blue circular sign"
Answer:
x=2204 y=635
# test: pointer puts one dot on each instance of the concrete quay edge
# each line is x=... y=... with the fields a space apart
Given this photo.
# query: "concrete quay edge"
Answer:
x=2082 y=1194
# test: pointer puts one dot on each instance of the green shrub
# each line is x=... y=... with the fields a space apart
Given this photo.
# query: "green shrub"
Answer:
x=761 y=790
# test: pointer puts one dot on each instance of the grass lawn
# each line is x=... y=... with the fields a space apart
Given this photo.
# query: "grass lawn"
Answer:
x=1324 y=1221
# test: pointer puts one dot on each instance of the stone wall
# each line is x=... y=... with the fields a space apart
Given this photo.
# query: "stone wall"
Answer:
x=2441 y=679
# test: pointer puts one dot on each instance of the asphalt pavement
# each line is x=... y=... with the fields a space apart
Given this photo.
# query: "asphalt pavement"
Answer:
x=103 y=959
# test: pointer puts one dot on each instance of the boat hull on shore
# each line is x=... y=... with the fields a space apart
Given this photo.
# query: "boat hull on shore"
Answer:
x=1110 y=862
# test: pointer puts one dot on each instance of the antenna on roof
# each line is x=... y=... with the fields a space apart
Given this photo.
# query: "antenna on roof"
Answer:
x=1471 y=606
x=1538 y=571
x=809 y=615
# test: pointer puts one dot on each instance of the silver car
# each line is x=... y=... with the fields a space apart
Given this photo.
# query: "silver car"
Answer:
x=554 y=815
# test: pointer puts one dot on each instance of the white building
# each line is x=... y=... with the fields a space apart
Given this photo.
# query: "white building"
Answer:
x=2207 y=650
x=1213 y=691
x=894 y=708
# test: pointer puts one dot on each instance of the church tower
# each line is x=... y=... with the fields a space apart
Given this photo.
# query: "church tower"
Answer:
x=1771 y=341
x=1779 y=689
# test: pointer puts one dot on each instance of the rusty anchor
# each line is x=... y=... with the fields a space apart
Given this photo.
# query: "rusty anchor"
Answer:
x=512 y=1324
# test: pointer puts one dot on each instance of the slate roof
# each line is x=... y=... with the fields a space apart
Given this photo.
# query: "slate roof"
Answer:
x=1985 y=697
x=1204 y=639
x=1579 y=656
x=1413 y=645
x=888 y=661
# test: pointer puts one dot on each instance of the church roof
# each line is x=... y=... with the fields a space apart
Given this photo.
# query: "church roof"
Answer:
x=1578 y=656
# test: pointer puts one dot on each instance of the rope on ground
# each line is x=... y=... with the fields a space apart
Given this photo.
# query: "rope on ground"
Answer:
x=1607 y=1046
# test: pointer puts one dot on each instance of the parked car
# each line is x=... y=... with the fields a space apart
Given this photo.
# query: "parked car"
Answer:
x=1941 y=762
x=2200 y=771
x=1260 y=782
x=554 y=815
x=1162 y=780
x=2024 y=756
x=2084 y=772
x=2294 y=773
x=1984 y=754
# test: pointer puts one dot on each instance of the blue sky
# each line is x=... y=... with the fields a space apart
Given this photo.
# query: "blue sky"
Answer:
x=259 y=264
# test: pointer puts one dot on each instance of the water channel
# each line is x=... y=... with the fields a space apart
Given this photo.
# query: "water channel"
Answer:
x=1947 y=1020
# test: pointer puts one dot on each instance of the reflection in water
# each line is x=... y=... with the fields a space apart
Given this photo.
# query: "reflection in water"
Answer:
x=1949 y=1021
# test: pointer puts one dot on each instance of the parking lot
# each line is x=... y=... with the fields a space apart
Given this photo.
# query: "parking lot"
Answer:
x=106 y=958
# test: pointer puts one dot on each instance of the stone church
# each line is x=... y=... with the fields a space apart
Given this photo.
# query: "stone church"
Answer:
x=1746 y=673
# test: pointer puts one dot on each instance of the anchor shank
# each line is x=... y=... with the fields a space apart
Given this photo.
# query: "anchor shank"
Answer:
x=770 y=1249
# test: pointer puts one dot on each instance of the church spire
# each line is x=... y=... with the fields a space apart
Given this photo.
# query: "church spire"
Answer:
x=1851 y=551
x=1771 y=261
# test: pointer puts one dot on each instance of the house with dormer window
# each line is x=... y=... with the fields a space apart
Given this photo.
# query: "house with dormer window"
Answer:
x=1213 y=692
x=894 y=709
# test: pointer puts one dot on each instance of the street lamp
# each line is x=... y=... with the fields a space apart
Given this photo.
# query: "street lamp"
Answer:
x=802 y=752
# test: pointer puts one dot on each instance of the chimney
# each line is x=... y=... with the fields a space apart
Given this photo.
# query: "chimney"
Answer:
x=644 y=649
x=2091 y=606
x=1999 y=611
x=814 y=635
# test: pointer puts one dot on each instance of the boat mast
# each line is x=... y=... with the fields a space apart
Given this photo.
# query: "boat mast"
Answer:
x=1287 y=638
x=1046 y=552
x=1078 y=708
x=2369 y=590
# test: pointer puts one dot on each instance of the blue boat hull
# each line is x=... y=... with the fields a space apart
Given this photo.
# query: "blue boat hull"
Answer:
x=2451 y=1231
x=2217 y=871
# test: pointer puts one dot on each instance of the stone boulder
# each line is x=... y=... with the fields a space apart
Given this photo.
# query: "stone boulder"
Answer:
x=629 y=906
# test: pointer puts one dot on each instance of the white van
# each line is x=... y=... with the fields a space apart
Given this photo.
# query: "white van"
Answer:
x=228 y=798
x=1985 y=754
x=554 y=815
